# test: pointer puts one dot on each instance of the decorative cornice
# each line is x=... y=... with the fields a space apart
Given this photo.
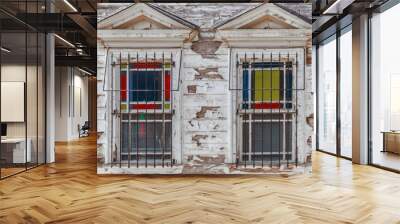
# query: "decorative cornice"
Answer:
x=143 y=39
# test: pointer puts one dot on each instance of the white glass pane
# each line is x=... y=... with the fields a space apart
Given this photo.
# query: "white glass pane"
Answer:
x=327 y=96
x=346 y=94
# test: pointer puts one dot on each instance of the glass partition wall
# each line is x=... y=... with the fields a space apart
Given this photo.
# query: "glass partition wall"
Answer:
x=385 y=90
x=345 y=91
x=327 y=95
x=334 y=94
x=22 y=77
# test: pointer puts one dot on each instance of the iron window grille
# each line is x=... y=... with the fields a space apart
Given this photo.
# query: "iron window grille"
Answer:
x=266 y=85
x=141 y=108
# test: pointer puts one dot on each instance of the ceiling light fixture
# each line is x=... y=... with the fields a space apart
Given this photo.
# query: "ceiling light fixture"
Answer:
x=86 y=72
x=70 y=5
x=64 y=40
x=338 y=6
x=5 y=50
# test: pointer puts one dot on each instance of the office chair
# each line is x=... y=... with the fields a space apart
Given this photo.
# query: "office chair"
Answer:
x=84 y=130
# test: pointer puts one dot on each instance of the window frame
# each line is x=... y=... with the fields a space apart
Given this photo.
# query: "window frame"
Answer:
x=112 y=86
x=296 y=57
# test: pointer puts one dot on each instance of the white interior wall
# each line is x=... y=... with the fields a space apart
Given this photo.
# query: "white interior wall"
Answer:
x=70 y=83
x=14 y=73
x=61 y=104
x=33 y=126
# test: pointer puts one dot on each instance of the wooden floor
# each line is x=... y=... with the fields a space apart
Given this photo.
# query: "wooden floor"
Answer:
x=69 y=191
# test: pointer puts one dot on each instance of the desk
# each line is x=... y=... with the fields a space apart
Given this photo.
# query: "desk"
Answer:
x=391 y=141
x=15 y=148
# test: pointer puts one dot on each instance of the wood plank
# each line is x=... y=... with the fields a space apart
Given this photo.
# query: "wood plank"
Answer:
x=70 y=191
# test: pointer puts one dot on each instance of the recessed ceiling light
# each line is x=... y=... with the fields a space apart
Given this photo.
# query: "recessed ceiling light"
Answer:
x=338 y=6
x=5 y=50
x=86 y=72
x=64 y=40
x=70 y=5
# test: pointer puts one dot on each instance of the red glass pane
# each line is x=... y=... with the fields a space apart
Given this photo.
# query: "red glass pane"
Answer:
x=147 y=65
x=266 y=105
x=123 y=86
x=167 y=86
x=149 y=106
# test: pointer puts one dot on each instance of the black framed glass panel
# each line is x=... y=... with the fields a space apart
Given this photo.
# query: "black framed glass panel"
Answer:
x=385 y=89
x=327 y=95
x=22 y=77
x=346 y=92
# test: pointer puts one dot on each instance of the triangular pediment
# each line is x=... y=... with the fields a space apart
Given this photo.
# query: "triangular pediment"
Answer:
x=142 y=16
x=265 y=16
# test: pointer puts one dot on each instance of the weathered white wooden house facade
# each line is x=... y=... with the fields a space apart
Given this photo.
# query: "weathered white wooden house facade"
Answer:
x=176 y=97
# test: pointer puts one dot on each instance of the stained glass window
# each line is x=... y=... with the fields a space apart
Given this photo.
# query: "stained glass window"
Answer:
x=267 y=85
x=149 y=86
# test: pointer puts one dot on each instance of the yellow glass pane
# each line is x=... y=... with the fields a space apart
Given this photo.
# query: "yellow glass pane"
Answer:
x=266 y=86
x=167 y=65
x=124 y=107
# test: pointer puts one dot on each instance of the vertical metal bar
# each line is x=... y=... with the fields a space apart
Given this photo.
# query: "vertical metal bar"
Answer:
x=60 y=86
x=127 y=95
x=145 y=98
x=297 y=66
x=73 y=91
x=271 y=112
x=279 y=111
x=239 y=120
x=384 y=142
x=254 y=111
x=112 y=108
x=289 y=67
x=154 y=116
x=338 y=123
x=37 y=91
x=245 y=111
x=69 y=92
x=316 y=97
x=26 y=86
x=369 y=88
x=284 y=113
x=262 y=110
x=120 y=112
x=163 y=93
x=171 y=104
x=137 y=92
x=45 y=92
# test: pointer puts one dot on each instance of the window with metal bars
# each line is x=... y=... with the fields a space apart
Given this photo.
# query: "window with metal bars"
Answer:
x=142 y=109
x=266 y=108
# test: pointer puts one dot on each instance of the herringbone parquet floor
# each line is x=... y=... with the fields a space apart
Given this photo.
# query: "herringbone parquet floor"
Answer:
x=69 y=191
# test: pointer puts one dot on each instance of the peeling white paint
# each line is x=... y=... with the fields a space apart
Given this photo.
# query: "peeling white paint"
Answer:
x=204 y=119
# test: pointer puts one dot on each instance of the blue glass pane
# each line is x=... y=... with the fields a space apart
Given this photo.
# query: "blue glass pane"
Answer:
x=289 y=82
x=145 y=86
x=245 y=85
